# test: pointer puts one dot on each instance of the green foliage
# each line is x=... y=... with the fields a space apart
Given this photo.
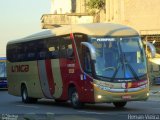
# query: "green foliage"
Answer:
x=96 y=4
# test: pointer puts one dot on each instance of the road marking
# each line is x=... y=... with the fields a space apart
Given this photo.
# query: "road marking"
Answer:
x=91 y=112
x=26 y=106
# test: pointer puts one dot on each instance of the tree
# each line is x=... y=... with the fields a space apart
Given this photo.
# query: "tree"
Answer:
x=96 y=4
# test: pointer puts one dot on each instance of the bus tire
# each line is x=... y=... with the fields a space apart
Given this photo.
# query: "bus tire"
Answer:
x=119 y=104
x=24 y=95
x=74 y=98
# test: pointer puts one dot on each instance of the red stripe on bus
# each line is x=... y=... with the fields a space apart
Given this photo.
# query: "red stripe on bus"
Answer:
x=50 y=76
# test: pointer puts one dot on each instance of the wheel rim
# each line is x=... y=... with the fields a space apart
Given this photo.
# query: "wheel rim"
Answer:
x=75 y=98
x=24 y=94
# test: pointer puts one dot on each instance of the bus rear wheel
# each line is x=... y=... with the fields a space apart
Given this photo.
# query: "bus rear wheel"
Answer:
x=74 y=98
x=119 y=104
x=24 y=95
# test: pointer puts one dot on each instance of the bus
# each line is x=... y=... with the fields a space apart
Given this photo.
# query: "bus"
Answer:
x=3 y=76
x=82 y=63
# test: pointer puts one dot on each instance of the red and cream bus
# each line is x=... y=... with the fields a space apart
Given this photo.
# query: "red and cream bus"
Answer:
x=85 y=63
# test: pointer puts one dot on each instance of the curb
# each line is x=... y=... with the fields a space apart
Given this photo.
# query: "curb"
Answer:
x=154 y=95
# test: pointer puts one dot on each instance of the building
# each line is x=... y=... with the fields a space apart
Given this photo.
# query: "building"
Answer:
x=65 y=12
x=70 y=6
x=61 y=6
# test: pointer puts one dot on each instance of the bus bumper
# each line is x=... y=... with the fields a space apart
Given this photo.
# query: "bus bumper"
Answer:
x=106 y=96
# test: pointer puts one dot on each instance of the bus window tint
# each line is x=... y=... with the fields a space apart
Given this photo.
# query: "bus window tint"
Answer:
x=30 y=51
x=70 y=53
x=41 y=50
x=66 y=49
x=10 y=53
x=63 y=47
x=20 y=56
x=53 y=48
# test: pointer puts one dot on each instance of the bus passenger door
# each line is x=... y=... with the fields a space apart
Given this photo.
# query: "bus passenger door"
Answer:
x=87 y=67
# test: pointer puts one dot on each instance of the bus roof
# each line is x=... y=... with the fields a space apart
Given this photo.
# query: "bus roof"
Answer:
x=93 y=29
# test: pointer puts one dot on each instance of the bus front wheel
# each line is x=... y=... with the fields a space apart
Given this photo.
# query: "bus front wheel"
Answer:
x=74 y=98
x=24 y=95
x=119 y=104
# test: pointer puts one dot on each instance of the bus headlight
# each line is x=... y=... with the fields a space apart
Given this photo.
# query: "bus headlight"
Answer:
x=147 y=94
x=99 y=96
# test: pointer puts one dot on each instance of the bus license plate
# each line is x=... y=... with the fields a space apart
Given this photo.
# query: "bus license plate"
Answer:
x=126 y=97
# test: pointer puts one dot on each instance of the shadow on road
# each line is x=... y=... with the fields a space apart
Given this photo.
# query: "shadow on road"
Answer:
x=3 y=89
x=91 y=107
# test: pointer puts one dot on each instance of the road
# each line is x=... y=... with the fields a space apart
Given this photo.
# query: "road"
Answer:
x=11 y=105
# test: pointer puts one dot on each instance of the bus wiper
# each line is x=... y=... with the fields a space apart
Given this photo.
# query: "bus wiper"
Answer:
x=116 y=71
x=120 y=61
x=131 y=68
x=125 y=62
x=133 y=71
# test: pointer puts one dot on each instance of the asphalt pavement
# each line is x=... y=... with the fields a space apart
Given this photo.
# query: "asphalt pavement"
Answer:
x=12 y=107
x=154 y=93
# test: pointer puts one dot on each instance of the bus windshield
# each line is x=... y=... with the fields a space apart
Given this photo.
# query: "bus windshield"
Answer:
x=2 y=69
x=119 y=58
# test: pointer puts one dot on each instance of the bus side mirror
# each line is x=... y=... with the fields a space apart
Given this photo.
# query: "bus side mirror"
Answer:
x=91 y=49
x=152 y=49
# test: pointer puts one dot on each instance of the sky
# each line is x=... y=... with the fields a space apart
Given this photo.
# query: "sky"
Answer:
x=20 y=18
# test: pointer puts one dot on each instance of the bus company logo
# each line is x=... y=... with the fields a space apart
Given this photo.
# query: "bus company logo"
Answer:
x=20 y=68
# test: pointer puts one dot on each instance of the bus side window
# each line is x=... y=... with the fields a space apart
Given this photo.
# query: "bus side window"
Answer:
x=12 y=53
x=70 y=53
x=63 y=46
x=30 y=54
x=30 y=51
x=41 y=50
x=16 y=53
x=53 y=52
x=53 y=48
x=69 y=49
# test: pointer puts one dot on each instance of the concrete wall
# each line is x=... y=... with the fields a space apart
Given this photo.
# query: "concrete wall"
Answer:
x=81 y=6
x=140 y=14
x=52 y=20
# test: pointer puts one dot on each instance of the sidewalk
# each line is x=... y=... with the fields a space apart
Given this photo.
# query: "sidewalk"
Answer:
x=155 y=93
